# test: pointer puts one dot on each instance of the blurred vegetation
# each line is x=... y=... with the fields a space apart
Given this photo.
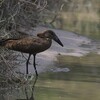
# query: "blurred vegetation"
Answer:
x=80 y=16
x=26 y=13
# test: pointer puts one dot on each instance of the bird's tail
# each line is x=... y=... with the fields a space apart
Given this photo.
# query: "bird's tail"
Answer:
x=2 y=41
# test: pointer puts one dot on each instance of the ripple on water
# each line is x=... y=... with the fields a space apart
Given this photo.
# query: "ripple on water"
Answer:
x=60 y=70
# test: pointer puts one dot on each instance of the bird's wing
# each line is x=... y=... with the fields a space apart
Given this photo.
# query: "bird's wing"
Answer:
x=27 y=45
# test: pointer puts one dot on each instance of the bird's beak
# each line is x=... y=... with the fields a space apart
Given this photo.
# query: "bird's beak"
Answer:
x=55 y=38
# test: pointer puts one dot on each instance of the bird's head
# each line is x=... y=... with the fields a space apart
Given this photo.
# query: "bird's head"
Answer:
x=50 y=35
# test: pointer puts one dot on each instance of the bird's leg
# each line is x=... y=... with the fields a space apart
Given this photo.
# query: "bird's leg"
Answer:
x=27 y=62
x=32 y=98
x=34 y=55
x=24 y=57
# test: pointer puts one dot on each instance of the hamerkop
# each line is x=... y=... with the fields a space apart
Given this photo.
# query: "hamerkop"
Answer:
x=31 y=45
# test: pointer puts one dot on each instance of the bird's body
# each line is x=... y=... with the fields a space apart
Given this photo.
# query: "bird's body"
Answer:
x=31 y=45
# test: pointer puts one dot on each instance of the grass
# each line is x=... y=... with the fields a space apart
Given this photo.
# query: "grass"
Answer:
x=82 y=17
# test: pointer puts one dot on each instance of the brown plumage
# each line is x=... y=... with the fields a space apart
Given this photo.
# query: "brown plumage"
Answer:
x=31 y=45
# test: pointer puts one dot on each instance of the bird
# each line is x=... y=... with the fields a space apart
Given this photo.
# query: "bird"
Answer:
x=31 y=45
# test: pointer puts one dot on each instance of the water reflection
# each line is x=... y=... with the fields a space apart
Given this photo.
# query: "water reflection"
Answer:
x=31 y=97
x=32 y=93
x=19 y=88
